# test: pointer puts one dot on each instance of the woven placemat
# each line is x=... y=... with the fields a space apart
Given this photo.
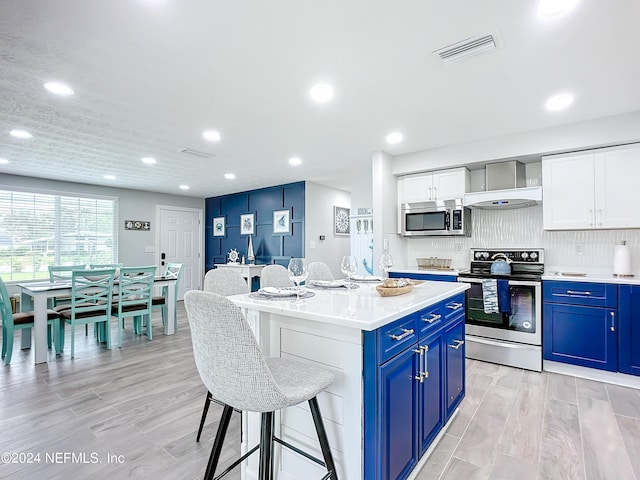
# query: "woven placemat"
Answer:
x=261 y=296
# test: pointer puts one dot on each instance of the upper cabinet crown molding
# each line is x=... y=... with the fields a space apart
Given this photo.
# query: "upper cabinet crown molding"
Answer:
x=591 y=189
x=431 y=186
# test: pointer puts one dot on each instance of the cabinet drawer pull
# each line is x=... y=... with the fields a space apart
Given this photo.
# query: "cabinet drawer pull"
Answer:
x=576 y=292
x=613 y=321
x=458 y=344
x=431 y=317
x=405 y=333
x=454 y=306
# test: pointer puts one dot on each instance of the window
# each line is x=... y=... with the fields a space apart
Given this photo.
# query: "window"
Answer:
x=42 y=229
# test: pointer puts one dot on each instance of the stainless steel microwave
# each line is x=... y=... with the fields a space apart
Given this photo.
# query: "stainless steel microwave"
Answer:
x=440 y=218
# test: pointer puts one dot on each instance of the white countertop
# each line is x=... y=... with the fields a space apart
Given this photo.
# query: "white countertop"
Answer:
x=425 y=271
x=362 y=308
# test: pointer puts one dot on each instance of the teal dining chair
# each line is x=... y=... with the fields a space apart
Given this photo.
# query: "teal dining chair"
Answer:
x=135 y=291
x=18 y=321
x=62 y=273
x=91 y=295
x=173 y=270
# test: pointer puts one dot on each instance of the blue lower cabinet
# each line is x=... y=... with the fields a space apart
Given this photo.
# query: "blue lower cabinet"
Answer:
x=581 y=335
x=455 y=365
x=424 y=276
x=629 y=329
x=409 y=392
x=430 y=390
x=398 y=408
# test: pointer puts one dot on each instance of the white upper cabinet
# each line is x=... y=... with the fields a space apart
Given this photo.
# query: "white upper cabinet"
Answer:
x=591 y=189
x=428 y=187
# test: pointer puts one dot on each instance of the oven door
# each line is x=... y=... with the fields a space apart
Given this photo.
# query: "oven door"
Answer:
x=522 y=325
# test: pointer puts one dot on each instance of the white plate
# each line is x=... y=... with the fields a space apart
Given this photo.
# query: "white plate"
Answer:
x=329 y=283
x=280 y=292
x=366 y=278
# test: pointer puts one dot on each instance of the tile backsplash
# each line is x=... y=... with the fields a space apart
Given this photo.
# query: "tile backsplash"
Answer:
x=522 y=228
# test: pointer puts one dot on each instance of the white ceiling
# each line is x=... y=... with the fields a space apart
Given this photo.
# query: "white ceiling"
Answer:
x=151 y=75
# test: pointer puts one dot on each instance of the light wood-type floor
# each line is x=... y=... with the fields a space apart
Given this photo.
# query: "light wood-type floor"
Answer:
x=135 y=411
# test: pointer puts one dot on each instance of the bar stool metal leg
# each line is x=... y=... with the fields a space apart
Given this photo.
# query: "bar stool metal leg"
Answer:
x=265 y=471
x=322 y=437
x=207 y=402
x=217 y=444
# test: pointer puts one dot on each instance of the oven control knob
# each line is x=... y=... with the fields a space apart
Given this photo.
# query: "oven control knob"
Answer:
x=533 y=255
x=485 y=255
x=524 y=255
x=478 y=255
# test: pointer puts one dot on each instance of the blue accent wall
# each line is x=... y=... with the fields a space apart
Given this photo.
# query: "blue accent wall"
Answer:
x=267 y=246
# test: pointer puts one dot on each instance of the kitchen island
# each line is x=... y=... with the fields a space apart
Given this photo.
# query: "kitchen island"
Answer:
x=399 y=367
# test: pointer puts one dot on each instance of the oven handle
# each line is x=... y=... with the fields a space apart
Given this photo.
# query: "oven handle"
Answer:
x=524 y=283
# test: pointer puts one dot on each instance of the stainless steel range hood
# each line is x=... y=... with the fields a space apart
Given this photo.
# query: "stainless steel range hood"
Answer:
x=505 y=183
x=509 y=198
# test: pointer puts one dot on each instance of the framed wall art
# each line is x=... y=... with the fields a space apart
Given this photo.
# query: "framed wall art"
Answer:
x=341 y=220
x=219 y=226
x=247 y=224
x=282 y=222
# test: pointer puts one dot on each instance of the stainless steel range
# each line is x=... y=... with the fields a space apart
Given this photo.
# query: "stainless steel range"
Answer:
x=511 y=334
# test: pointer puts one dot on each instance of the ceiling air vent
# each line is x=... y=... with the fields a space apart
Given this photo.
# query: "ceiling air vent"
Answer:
x=196 y=153
x=466 y=48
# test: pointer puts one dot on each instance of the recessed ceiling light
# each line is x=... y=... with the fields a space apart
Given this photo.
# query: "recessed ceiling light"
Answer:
x=59 y=88
x=559 y=102
x=295 y=161
x=20 y=134
x=395 y=137
x=184 y=187
x=554 y=7
x=229 y=176
x=148 y=160
x=109 y=177
x=211 y=135
x=3 y=161
x=321 y=92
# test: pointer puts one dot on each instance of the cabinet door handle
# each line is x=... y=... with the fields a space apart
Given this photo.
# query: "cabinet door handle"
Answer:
x=601 y=216
x=591 y=223
x=431 y=317
x=420 y=376
x=405 y=333
x=613 y=321
x=435 y=193
x=425 y=359
x=430 y=193
x=575 y=292
x=458 y=344
x=454 y=306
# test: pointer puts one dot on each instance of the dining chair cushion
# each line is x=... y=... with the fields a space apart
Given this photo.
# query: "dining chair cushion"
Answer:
x=158 y=301
x=128 y=308
x=224 y=282
x=21 y=318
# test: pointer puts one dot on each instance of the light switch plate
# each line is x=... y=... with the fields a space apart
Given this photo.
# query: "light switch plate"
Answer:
x=150 y=249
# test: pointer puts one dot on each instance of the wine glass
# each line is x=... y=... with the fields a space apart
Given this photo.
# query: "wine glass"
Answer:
x=385 y=262
x=298 y=272
x=349 y=267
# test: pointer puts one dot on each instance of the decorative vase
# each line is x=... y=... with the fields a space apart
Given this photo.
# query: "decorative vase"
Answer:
x=250 y=256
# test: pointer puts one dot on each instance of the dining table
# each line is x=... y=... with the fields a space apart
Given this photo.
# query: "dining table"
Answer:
x=34 y=296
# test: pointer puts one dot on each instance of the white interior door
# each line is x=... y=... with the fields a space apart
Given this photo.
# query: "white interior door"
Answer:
x=181 y=242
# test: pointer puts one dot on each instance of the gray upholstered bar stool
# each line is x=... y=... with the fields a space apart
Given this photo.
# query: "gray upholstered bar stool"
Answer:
x=223 y=282
x=233 y=369
x=275 y=276
x=319 y=271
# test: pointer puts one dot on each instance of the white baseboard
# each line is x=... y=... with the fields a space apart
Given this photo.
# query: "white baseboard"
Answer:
x=592 y=374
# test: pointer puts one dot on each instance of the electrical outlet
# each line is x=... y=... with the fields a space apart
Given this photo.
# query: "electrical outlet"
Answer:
x=312 y=244
x=458 y=248
x=579 y=248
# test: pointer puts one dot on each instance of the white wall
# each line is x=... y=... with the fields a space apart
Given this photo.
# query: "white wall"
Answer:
x=385 y=204
x=615 y=130
x=133 y=205
x=319 y=203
